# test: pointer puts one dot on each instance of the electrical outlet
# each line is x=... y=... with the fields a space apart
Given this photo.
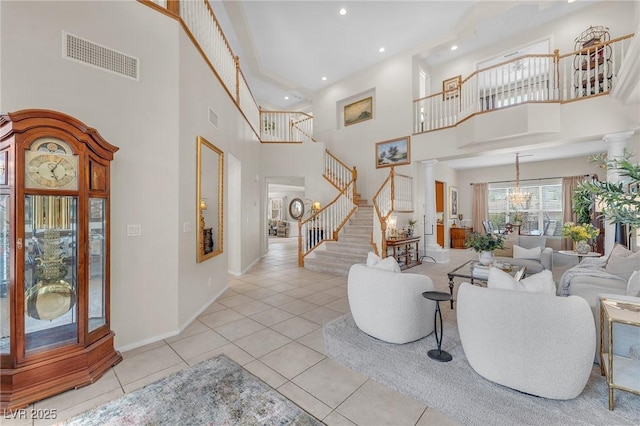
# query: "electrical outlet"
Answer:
x=186 y=227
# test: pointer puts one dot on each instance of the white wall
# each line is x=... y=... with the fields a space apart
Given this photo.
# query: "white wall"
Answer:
x=199 y=90
x=156 y=284
x=392 y=118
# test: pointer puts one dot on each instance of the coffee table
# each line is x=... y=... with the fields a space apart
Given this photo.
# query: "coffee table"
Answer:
x=466 y=271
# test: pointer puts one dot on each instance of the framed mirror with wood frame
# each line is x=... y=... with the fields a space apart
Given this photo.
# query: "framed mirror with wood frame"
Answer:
x=209 y=200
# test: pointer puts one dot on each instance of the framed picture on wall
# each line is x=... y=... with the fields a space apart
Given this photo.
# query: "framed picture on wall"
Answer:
x=453 y=202
x=450 y=87
x=356 y=112
x=394 y=152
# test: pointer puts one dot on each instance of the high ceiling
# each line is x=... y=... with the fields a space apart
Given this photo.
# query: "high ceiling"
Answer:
x=286 y=47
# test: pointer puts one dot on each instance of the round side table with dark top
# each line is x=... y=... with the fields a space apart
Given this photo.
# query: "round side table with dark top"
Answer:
x=438 y=296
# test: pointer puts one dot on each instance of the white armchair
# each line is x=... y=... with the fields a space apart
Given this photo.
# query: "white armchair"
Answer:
x=536 y=343
x=389 y=305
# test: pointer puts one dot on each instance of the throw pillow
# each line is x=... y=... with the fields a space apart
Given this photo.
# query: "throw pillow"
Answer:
x=623 y=262
x=507 y=251
x=387 y=264
x=523 y=253
x=502 y=280
x=372 y=258
x=542 y=282
x=537 y=283
x=633 y=286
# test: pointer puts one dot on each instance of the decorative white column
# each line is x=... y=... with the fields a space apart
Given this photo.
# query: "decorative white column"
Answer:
x=616 y=144
x=432 y=249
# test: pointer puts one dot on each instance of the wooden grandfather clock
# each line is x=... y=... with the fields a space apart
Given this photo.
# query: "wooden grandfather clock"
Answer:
x=54 y=256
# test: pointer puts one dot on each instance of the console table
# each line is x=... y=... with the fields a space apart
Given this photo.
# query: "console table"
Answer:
x=459 y=236
x=405 y=251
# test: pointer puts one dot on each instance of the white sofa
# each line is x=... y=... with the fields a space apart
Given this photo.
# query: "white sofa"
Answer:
x=389 y=305
x=533 y=266
x=535 y=343
x=594 y=279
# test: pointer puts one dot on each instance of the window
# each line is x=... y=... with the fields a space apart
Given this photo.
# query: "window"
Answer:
x=275 y=207
x=541 y=215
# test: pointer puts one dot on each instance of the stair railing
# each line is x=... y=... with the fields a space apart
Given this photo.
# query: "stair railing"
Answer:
x=325 y=224
x=286 y=127
x=395 y=195
x=337 y=173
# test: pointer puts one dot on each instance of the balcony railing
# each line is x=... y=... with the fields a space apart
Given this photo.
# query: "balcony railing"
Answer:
x=283 y=126
x=577 y=75
x=202 y=26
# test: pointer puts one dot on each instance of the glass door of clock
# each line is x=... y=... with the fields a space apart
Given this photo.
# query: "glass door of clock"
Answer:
x=50 y=271
x=97 y=250
x=5 y=275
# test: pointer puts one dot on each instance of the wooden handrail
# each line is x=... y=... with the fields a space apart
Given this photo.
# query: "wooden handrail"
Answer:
x=173 y=11
x=312 y=218
x=597 y=46
x=554 y=55
x=336 y=159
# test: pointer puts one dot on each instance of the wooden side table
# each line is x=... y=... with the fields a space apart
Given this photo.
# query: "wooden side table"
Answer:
x=459 y=236
x=405 y=251
x=622 y=373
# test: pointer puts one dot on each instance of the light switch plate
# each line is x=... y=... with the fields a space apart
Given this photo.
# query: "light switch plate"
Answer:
x=134 y=230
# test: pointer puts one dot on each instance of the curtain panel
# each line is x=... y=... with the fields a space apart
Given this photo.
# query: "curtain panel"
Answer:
x=480 y=206
x=569 y=185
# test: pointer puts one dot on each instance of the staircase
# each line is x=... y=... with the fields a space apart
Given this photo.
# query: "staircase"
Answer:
x=354 y=242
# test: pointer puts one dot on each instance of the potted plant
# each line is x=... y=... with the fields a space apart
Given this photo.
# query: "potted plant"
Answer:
x=411 y=223
x=580 y=235
x=484 y=245
x=620 y=200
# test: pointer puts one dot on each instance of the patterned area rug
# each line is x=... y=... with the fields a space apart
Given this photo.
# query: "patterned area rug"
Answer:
x=456 y=390
x=214 y=392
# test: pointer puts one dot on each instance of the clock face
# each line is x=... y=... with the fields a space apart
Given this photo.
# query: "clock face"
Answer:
x=48 y=170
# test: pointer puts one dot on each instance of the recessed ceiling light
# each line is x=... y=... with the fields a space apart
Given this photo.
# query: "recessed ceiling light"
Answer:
x=342 y=11
x=454 y=47
x=570 y=1
x=381 y=49
x=324 y=78
x=286 y=98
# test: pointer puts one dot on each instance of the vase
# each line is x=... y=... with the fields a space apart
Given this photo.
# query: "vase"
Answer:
x=581 y=247
x=486 y=257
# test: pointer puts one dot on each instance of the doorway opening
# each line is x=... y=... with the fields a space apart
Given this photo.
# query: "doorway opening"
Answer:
x=281 y=228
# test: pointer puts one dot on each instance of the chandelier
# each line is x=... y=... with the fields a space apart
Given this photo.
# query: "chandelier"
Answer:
x=518 y=196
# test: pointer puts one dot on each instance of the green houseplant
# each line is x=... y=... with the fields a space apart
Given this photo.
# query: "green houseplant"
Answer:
x=484 y=245
x=620 y=200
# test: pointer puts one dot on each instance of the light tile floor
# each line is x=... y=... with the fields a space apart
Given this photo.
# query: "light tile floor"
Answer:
x=269 y=321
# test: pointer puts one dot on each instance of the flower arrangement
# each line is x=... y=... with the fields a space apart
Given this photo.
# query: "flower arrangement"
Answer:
x=488 y=242
x=576 y=233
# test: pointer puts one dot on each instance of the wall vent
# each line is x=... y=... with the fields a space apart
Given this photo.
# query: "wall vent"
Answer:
x=213 y=117
x=89 y=53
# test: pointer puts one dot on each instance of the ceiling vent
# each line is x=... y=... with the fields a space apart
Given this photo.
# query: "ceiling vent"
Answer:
x=213 y=117
x=89 y=53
